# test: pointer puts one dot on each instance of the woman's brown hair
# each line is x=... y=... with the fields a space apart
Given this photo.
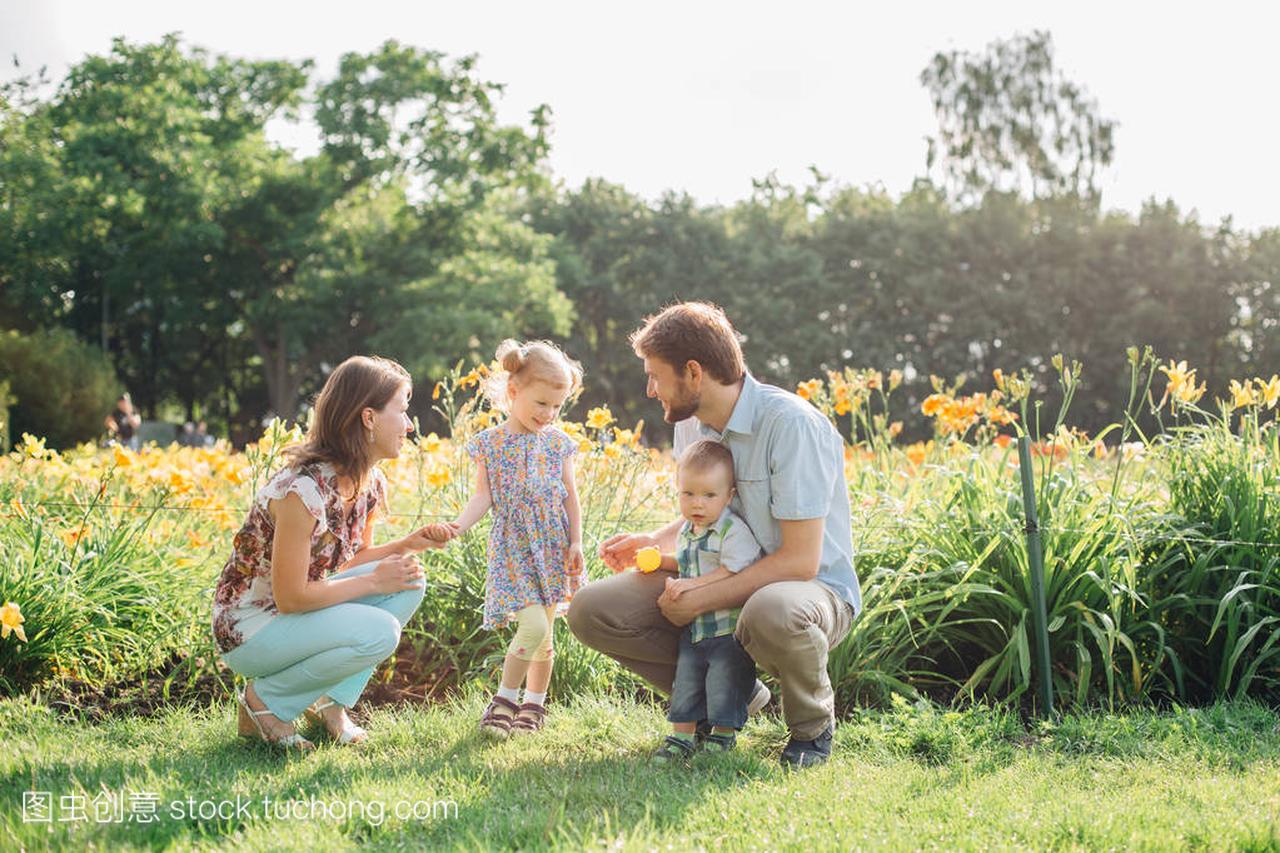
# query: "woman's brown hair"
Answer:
x=337 y=434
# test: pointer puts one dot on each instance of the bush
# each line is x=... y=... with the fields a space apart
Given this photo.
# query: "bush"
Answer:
x=63 y=387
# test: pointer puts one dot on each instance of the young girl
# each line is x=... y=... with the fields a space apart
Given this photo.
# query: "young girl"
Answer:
x=524 y=471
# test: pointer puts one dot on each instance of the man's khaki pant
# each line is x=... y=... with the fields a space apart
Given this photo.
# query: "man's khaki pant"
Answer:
x=788 y=627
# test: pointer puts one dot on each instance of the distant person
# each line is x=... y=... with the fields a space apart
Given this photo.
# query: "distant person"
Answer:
x=187 y=435
x=202 y=437
x=123 y=422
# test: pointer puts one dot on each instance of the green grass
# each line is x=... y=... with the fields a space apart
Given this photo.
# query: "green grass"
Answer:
x=913 y=776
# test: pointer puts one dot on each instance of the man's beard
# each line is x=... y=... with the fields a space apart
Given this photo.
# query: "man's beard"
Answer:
x=683 y=408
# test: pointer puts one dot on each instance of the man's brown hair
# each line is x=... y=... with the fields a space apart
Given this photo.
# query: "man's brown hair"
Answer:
x=692 y=331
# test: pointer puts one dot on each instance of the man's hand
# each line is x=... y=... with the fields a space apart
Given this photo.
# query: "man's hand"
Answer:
x=619 y=551
x=681 y=607
x=678 y=586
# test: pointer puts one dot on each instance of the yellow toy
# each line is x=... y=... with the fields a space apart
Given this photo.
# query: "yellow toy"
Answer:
x=648 y=559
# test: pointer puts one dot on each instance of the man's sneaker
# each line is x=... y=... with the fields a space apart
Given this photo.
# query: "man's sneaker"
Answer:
x=760 y=697
x=807 y=753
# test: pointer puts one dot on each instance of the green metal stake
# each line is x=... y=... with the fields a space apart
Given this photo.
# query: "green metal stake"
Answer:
x=1036 y=557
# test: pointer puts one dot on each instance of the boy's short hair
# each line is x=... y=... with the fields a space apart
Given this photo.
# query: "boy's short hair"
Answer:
x=705 y=454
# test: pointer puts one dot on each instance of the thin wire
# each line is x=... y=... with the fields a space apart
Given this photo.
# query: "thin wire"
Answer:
x=900 y=526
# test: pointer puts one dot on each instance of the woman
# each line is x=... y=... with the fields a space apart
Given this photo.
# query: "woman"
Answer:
x=306 y=606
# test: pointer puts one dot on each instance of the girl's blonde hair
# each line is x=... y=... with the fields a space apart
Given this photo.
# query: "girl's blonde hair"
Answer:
x=519 y=364
x=337 y=434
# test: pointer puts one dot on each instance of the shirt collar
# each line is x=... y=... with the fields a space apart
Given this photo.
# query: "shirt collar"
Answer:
x=743 y=417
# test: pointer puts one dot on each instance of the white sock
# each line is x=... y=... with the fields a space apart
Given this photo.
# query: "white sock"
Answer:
x=535 y=698
x=511 y=694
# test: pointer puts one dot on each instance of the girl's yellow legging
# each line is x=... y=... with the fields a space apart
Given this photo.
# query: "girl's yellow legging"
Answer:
x=534 y=631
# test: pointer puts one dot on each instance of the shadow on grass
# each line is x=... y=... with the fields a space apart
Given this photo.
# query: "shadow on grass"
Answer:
x=457 y=788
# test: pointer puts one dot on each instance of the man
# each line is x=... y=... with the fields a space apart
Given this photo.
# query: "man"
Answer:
x=800 y=599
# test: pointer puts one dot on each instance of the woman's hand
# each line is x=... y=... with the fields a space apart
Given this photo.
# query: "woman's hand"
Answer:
x=619 y=552
x=575 y=561
x=430 y=536
x=396 y=574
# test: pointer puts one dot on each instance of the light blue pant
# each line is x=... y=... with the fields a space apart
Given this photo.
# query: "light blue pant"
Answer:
x=298 y=657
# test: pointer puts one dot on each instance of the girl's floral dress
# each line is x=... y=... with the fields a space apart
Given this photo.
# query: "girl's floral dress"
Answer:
x=529 y=535
x=242 y=602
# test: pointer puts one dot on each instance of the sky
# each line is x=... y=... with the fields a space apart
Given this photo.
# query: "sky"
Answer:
x=701 y=97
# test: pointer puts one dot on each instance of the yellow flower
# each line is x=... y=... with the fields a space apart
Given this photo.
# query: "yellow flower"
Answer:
x=933 y=404
x=71 y=537
x=1242 y=394
x=585 y=446
x=196 y=540
x=599 y=418
x=431 y=443
x=808 y=390
x=998 y=376
x=32 y=446
x=11 y=620
x=895 y=428
x=438 y=477
x=123 y=458
x=895 y=378
x=435 y=392
x=1270 y=390
x=611 y=451
x=21 y=510
x=917 y=452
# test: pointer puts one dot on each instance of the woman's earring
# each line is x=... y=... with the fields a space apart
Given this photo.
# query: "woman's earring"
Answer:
x=371 y=436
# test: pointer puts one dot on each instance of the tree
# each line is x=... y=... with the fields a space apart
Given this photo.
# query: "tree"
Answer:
x=1009 y=121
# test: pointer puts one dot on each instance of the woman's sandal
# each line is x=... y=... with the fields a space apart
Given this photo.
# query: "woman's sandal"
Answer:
x=247 y=726
x=529 y=718
x=498 y=725
x=350 y=734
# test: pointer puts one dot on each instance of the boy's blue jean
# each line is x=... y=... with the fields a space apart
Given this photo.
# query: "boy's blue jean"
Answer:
x=713 y=682
x=298 y=657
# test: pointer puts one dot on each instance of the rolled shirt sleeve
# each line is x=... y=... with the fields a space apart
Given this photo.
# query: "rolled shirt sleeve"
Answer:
x=738 y=548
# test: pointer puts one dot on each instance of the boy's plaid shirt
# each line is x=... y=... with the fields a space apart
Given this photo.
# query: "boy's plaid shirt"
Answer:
x=699 y=554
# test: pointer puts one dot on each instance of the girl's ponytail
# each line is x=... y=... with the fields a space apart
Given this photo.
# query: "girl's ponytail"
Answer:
x=511 y=356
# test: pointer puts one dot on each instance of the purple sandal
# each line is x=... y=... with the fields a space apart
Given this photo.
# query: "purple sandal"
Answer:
x=529 y=718
x=498 y=725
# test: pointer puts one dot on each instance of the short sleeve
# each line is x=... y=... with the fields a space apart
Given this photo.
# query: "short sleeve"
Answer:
x=478 y=447
x=378 y=485
x=290 y=481
x=804 y=464
x=568 y=446
x=738 y=548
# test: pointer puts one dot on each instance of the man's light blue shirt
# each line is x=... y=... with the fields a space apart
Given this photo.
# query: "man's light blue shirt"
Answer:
x=789 y=464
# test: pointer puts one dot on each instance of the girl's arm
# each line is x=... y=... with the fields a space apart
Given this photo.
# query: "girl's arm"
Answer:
x=571 y=506
x=574 y=511
x=479 y=504
x=291 y=554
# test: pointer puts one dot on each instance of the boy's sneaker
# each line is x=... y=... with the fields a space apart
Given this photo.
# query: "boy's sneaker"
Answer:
x=760 y=697
x=807 y=753
x=719 y=742
x=673 y=749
